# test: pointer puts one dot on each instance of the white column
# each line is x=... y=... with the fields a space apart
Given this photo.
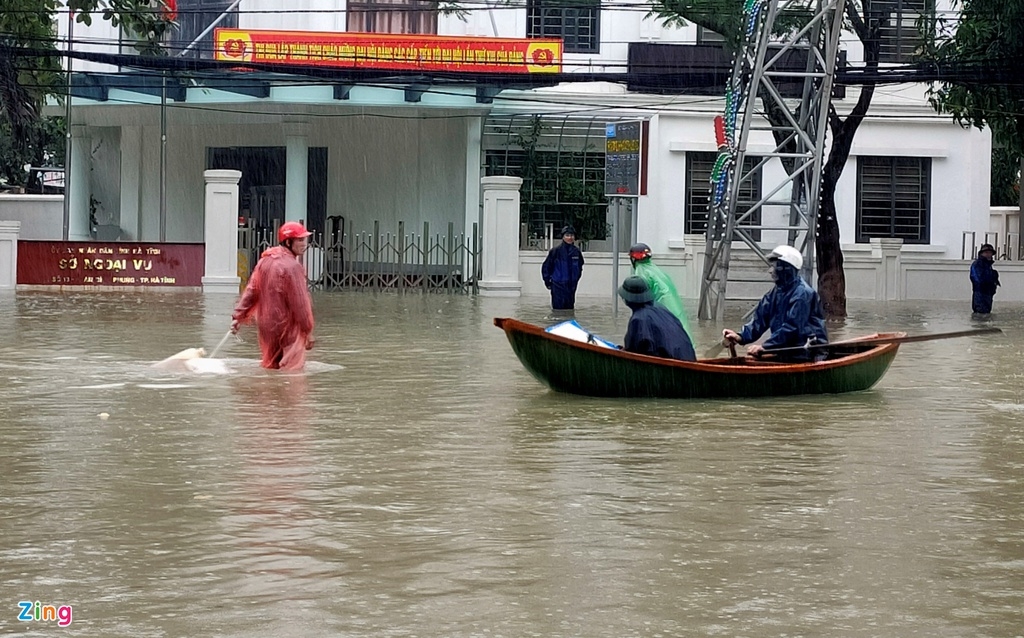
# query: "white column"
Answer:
x=696 y=246
x=221 y=274
x=9 y=254
x=297 y=171
x=500 y=237
x=78 y=218
x=473 y=135
x=888 y=272
x=131 y=170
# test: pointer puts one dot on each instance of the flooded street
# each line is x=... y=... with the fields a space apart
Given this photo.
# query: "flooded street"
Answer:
x=417 y=481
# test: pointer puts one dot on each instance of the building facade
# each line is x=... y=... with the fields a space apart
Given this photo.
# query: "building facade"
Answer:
x=389 y=152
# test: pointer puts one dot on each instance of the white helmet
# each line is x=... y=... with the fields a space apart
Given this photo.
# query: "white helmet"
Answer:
x=789 y=255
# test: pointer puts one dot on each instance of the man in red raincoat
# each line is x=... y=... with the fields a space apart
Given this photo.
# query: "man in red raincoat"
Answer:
x=278 y=299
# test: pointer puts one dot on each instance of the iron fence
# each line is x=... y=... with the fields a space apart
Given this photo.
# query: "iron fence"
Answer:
x=403 y=260
x=1005 y=244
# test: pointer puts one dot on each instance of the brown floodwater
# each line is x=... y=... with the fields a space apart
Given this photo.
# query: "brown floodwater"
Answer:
x=417 y=481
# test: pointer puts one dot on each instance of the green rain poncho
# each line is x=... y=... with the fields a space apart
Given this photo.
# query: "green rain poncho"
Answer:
x=664 y=290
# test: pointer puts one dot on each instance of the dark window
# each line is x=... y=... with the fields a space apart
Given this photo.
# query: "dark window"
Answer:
x=900 y=24
x=707 y=36
x=576 y=22
x=392 y=16
x=892 y=198
x=698 y=192
x=194 y=17
x=558 y=187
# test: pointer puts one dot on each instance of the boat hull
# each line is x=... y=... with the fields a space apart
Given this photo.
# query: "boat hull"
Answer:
x=570 y=366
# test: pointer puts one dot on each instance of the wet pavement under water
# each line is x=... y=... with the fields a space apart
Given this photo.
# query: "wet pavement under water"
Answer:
x=416 y=481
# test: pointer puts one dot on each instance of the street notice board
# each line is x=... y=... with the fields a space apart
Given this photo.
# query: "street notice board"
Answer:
x=623 y=159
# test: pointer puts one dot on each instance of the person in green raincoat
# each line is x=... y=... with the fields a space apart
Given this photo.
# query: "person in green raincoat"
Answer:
x=658 y=281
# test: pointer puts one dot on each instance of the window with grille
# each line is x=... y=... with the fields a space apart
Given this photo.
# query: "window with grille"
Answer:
x=899 y=27
x=698 y=192
x=392 y=16
x=893 y=196
x=195 y=17
x=558 y=188
x=576 y=22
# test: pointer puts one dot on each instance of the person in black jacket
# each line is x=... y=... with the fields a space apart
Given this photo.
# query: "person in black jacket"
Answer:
x=653 y=330
x=984 y=280
x=562 y=270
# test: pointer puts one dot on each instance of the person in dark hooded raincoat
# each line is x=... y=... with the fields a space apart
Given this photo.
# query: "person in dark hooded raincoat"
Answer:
x=277 y=297
x=652 y=329
x=984 y=280
x=791 y=310
x=562 y=270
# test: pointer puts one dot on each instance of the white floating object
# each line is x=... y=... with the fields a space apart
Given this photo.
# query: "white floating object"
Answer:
x=178 y=361
x=104 y=416
x=207 y=366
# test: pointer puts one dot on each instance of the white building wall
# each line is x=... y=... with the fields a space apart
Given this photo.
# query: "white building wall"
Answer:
x=388 y=169
x=960 y=166
x=385 y=169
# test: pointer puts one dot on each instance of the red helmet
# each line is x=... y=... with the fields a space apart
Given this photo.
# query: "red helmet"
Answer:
x=291 y=230
x=639 y=252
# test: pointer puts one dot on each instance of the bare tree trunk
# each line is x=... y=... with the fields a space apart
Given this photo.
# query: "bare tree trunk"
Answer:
x=829 y=254
x=827 y=245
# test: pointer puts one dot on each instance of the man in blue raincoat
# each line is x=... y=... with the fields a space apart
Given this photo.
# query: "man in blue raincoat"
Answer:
x=984 y=279
x=652 y=329
x=791 y=310
x=562 y=270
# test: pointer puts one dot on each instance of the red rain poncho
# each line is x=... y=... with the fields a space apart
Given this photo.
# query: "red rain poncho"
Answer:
x=277 y=297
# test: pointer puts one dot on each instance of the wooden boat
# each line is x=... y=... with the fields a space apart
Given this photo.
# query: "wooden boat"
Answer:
x=575 y=367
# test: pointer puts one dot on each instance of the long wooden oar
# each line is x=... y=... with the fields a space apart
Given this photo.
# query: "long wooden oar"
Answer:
x=881 y=340
x=714 y=351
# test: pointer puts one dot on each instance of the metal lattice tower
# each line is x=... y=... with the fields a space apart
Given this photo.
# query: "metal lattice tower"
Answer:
x=803 y=62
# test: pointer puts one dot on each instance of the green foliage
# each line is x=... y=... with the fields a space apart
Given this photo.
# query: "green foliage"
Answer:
x=145 y=19
x=556 y=186
x=24 y=83
x=1005 y=177
x=722 y=16
x=30 y=68
x=987 y=32
x=43 y=146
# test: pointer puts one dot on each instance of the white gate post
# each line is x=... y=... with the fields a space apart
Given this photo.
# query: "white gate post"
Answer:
x=500 y=237
x=888 y=276
x=221 y=211
x=9 y=254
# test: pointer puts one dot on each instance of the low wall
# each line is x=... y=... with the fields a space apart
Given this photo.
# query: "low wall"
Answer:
x=878 y=272
x=41 y=216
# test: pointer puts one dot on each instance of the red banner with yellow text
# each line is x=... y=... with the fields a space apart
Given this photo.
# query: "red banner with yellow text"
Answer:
x=389 y=51
x=92 y=263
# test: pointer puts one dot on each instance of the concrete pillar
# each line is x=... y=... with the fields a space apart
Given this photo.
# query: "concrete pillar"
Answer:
x=473 y=150
x=131 y=175
x=9 y=254
x=221 y=274
x=696 y=246
x=500 y=237
x=888 y=271
x=78 y=218
x=297 y=171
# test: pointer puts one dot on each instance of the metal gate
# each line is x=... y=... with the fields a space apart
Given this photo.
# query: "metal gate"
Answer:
x=403 y=260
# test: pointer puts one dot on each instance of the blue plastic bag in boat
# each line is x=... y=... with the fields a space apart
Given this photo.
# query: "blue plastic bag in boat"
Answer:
x=572 y=330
